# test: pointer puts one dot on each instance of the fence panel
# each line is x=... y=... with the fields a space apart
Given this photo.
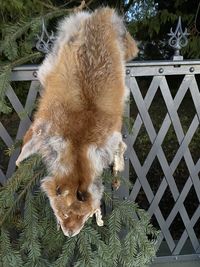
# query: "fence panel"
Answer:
x=162 y=158
x=184 y=242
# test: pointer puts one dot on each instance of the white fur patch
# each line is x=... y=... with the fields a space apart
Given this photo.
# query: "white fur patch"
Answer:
x=96 y=190
x=102 y=157
x=70 y=26
x=120 y=29
x=49 y=147
x=118 y=24
x=66 y=192
x=66 y=29
x=118 y=165
x=51 y=150
x=98 y=216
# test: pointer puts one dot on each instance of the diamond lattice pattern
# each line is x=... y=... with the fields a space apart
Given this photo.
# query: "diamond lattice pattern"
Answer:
x=168 y=183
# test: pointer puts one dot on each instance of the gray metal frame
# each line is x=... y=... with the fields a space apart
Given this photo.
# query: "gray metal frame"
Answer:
x=158 y=70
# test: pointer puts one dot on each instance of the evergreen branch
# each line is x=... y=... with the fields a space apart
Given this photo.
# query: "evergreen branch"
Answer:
x=26 y=59
x=9 y=256
x=21 y=175
x=47 y=227
x=89 y=248
x=102 y=256
x=4 y=83
x=108 y=196
x=47 y=5
x=24 y=191
x=85 y=249
x=4 y=108
x=20 y=61
x=15 y=183
x=108 y=199
x=114 y=227
x=67 y=253
x=92 y=235
x=89 y=3
x=65 y=11
x=10 y=150
x=4 y=78
x=14 y=32
x=30 y=236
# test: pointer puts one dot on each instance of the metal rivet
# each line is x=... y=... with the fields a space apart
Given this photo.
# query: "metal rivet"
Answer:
x=191 y=69
x=161 y=70
x=125 y=158
x=128 y=72
x=124 y=136
x=35 y=74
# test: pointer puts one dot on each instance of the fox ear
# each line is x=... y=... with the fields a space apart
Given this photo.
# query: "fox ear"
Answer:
x=31 y=145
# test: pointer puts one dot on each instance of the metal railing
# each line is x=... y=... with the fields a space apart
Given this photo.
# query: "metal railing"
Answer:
x=158 y=73
x=142 y=100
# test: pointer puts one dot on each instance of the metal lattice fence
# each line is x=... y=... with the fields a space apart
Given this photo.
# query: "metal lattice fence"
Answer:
x=168 y=201
x=23 y=113
x=158 y=75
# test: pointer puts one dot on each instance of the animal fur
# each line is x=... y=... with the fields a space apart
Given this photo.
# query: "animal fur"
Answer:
x=77 y=127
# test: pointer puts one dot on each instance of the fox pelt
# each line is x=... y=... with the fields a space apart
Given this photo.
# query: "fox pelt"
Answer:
x=77 y=126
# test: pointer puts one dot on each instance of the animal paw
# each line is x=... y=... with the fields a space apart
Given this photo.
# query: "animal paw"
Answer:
x=118 y=165
x=98 y=216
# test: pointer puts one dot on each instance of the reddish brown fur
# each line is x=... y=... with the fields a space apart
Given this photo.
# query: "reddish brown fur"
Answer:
x=83 y=95
x=84 y=100
x=67 y=204
x=28 y=136
x=61 y=202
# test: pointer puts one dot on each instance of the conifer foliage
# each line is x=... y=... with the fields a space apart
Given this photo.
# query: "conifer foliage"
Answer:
x=29 y=235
